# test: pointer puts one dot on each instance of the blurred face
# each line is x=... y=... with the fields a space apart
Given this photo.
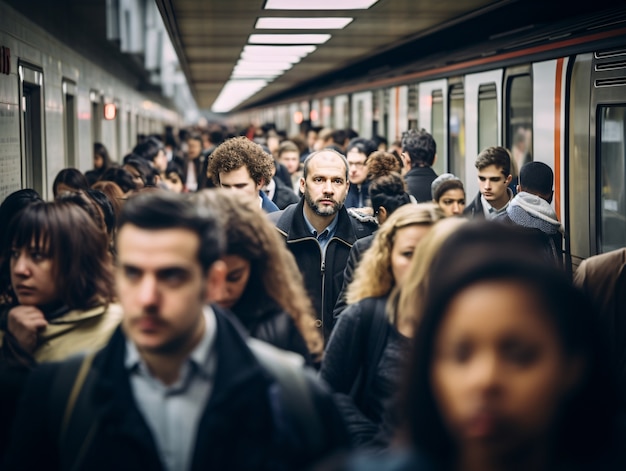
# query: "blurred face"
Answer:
x=325 y=188
x=237 y=276
x=404 y=245
x=452 y=202
x=63 y=188
x=160 y=161
x=137 y=179
x=32 y=276
x=240 y=182
x=499 y=373
x=358 y=169
x=194 y=148
x=493 y=185
x=311 y=137
x=161 y=287
x=174 y=183
x=291 y=160
x=98 y=161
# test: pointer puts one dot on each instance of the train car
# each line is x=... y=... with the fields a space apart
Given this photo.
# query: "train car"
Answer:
x=556 y=95
x=55 y=103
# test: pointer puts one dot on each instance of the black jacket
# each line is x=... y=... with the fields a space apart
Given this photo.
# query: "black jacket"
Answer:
x=356 y=253
x=358 y=195
x=418 y=181
x=323 y=279
x=283 y=195
x=239 y=428
x=475 y=208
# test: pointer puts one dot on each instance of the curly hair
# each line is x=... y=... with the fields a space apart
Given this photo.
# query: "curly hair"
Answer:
x=382 y=163
x=373 y=276
x=239 y=152
x=274 y=273
x=388 y=191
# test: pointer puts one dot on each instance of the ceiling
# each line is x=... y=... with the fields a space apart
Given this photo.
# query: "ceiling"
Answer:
x=209 y=36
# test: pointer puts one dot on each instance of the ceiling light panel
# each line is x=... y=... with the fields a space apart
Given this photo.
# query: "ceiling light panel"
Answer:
x=288 y=38
x=319 y=4
x=302 y=23
x=235 y=92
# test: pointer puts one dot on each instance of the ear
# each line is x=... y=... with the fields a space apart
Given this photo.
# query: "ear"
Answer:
x=508 y=180
x=302 y=184
x=406 y=159
x=382 y=214
x=215 y=281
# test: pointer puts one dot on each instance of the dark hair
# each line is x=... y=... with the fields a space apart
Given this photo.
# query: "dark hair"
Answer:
x=77 y=247
x=87 y=204
x=113 y=192
x=121 y=177
x=71 y=177
x=106 y=207
x=239 y=152
x=388 y=191
x=174 y=167
x=438 y=188
x=362 y=145
x=378 y=140
x=339 y=137
x=101 y=150
x=307 y=161
x=160 y=209
x=536 y=178
x=498 y=156
x=420 y=146
x=148 y=149
x=146 y=171
x=483 y=251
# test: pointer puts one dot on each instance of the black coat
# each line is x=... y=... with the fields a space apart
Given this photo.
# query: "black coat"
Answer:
x=284 y=195
x=475 y=208
x=356 y=253
x=238 y=429
x=418 y=182
x=323 y=279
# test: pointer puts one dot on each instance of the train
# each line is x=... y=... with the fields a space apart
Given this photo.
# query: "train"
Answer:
x=55 y=103
x=555 y=94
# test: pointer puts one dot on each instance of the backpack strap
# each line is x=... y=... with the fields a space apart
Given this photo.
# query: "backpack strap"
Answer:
x=70 y=392
x=288 y=370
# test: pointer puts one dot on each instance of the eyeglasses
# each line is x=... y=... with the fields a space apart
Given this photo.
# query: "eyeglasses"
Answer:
x=356 y=164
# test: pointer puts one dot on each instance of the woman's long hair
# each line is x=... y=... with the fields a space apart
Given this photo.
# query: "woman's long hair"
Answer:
x=373 y=276
x=77 y=247
x=274 y=274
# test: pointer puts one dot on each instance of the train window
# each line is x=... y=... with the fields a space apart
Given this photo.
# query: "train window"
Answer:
x=519 y=121
x=96 y=116
x=413 y=112
x=456 y=131
x=438 y=127
x=487 y=116
x=612 y=177
x=69 y=109
x=33 y=163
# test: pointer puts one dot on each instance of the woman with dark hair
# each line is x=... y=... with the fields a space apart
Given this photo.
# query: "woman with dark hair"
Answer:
x=507 y=371
x=143 y=173
x=122 y=178
x=264 y=287
x=101 y=163
x=69 y=179
x=62 y=283
x=448 y=192
x=151 y=150
x=113 y=192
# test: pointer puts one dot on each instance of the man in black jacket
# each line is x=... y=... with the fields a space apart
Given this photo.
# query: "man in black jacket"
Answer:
x=418 y=154
x=178 y=386
x=320 y=232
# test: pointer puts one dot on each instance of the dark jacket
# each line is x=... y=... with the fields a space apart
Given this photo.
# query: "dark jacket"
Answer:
x=358 y=195
x=475 y=208
x=266 y=321
x=240 y=427
x=418 y=181
x=323 y=279
x=357 y=251
x=283 y=195
x=352 y=348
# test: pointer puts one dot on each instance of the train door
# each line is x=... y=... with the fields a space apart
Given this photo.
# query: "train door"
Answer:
x=397 y=116
x=456 y=128
x=413 y=107
x=69 y=110
x=96 y=116
x=327 y=113
x=33 y=129
x=342 y=112
x=483 y=118
x=362 y=114
x=518 y=113
x=432 y=117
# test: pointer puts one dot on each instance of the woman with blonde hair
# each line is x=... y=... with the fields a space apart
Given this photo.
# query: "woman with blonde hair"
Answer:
x=264 y=287
x=362 y=361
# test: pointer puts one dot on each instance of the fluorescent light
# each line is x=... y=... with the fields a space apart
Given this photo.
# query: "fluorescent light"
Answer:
x=253 y=57
x=319 y=4
x=235 y=92
x=262 y=66
x=278 y=51
x=288 y=38
x=302 y=23
x=254 y=74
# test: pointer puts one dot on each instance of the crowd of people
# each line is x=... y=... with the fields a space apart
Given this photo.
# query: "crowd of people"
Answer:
x=322 y=301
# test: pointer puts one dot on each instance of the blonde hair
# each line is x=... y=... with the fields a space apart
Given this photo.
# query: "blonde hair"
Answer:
x=405 y=303
x=251 y=235
x=373 y=276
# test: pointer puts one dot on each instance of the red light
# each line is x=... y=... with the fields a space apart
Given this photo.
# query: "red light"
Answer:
x=110 y=111
x=314 y=115
x=297 y=117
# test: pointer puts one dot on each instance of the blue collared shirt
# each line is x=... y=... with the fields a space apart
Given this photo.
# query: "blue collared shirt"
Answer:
x=326 y=234
x=490 y=211
x=173 y=412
